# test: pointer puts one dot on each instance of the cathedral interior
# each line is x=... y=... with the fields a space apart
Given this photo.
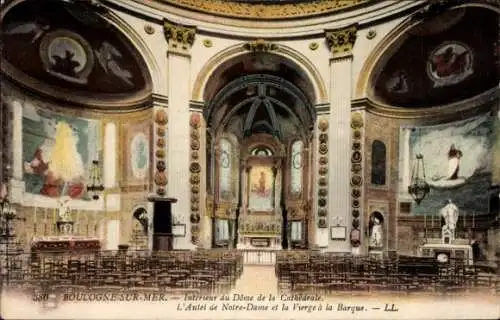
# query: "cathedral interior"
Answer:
x=356 y=128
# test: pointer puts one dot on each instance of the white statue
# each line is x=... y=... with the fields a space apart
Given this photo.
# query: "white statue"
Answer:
x=450 y=214
x=64 y=211
x=376 y=237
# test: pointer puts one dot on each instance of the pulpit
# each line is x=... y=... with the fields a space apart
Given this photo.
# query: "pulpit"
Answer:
x=162 y=222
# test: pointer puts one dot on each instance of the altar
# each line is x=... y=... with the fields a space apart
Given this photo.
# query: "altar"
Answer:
x=260 y=221
x=65 y=244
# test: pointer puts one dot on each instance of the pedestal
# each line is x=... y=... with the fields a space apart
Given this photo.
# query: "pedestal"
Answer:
x=162 y=239
x=65 y=227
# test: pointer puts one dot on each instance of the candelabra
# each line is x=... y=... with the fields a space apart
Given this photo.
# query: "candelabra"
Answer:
x=95 y=185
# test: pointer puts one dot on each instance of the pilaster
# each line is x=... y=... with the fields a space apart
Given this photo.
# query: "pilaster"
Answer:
x=341 y=42
x=180 y=39
x=17 y=184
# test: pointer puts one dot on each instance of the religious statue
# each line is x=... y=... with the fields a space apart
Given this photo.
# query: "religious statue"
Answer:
x=64 y=211
x=376 y=234
x=450 y=215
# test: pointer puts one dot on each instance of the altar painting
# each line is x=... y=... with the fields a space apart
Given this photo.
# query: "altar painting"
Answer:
x=56 y=153
x=457 y=159
x=261 y=185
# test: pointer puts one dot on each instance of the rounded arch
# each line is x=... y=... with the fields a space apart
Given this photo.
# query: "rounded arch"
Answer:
x=389 y=44
x=285 y=52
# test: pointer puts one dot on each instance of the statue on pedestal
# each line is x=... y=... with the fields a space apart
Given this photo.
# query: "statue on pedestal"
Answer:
x=64 y=222
x=449 y=213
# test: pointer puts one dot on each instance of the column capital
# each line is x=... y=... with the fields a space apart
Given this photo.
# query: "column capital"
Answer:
x=341 y=41
x=180 y=38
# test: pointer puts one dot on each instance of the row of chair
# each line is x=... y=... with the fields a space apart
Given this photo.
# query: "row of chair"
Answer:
x=330 y=273
x=199 y=271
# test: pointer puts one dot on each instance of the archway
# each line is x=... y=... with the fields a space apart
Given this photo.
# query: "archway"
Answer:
x=259 y=122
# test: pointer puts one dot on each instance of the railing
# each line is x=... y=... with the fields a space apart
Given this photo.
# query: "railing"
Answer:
x=259 y=257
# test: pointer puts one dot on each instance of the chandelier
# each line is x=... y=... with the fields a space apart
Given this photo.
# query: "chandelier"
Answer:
x=418 y=187
x=95 y=186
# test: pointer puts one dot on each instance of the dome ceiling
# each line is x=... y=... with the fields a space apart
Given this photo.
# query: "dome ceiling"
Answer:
x=65 y=46
x=445 y=60
x=266 y=9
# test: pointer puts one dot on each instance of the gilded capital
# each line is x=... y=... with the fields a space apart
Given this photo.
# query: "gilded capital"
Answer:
x=260 y=45
x=341 y=41
x=179 y=37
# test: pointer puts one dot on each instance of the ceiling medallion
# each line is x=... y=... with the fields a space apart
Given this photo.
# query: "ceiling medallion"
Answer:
x=450 y=63
x=371 y=34
x=207 y=43
x=149 y=29
x=67 y=55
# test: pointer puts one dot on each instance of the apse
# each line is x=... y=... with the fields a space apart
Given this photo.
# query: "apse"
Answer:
x=443 y=60
x=68 y=50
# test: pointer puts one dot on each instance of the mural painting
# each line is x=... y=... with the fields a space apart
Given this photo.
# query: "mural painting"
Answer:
x=67 y=46
x=261 y=196
x=139 y=156
x=56 y=151
x=457 y=158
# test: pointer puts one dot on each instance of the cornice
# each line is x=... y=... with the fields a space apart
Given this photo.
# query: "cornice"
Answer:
x=306 y=27
x=465 y=108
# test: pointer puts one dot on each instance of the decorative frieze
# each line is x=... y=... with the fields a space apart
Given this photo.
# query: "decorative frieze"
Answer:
x=180 y=38
x=277 y=10
x=341 y=41
x=195 y=179
x=357 y=124
x=323 y=173
x=160 y=177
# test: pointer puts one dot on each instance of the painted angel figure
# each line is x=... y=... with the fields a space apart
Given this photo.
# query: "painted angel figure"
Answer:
x=106 y=55
x=37 y=29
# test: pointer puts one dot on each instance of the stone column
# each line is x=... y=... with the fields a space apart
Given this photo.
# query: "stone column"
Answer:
x=179 y=38
x=341 y=42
